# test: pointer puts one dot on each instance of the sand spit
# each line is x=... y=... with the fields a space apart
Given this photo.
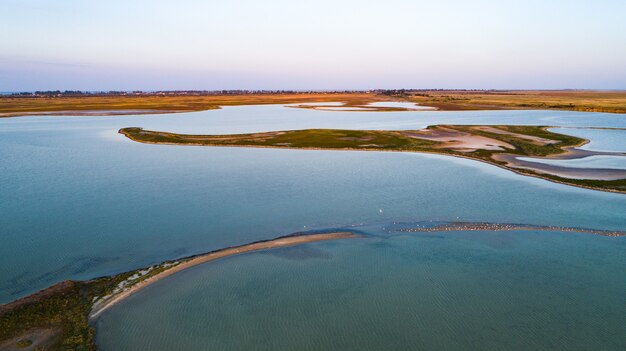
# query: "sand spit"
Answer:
x=471 y=226
x=104 y=303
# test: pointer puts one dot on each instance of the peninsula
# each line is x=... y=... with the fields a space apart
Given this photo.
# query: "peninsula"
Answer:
x=58 y=317
x=505 y=146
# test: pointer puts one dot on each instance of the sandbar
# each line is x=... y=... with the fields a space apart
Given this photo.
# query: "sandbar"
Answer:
x=103 y=304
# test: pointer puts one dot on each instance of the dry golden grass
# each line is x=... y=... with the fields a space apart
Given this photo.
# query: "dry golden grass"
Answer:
x=32 y=105
x=596 y=101
x=575 y=100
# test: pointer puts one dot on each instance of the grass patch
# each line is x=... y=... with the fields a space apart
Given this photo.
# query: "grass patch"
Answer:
x=65 y=308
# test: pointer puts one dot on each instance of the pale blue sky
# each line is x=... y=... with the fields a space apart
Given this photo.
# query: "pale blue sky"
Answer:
x=322 y=44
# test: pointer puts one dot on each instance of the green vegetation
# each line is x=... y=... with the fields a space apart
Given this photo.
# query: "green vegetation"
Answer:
x=23 y=343
x=309 y=138
x=529 y=141
x=63 y=308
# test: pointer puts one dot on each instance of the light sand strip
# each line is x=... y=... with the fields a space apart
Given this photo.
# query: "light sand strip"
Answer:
x=101 y=306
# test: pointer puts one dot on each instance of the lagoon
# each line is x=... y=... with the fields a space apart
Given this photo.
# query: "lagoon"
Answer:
x=79 y=201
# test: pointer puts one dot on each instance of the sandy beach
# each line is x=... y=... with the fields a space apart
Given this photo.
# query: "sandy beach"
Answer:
x=102 y=305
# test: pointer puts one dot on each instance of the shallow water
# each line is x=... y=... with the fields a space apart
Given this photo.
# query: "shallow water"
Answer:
x=317 y=104
x=342 y=108
x=400 y=104
x=337 y=106
x=437 y=291
x=600 y=161
x=600 y=139
x=78 y=200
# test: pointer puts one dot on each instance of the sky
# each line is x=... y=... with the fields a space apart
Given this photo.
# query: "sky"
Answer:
x=312 y=45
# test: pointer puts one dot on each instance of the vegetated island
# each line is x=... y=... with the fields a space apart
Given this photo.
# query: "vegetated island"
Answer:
x=139 y=102
x=500 y=145
x=58 y=317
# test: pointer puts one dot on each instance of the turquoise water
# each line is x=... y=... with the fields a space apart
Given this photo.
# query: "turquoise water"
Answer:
x=78 y=200
x=443 y=291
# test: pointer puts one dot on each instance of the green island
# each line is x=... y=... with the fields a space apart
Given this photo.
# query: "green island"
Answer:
x=500 y=145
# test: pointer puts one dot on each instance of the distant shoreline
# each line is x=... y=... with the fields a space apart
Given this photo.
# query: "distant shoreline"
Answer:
x=442 y=100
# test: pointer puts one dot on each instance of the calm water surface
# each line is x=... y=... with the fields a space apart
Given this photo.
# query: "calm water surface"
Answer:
x=600 y=139
x=600 y=161
x=77 y=200
x=443 y=291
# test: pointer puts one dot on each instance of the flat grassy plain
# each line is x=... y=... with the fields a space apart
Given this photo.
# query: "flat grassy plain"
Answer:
x=442 y=139
x=15 y=106
x=445 y=100
x=574 y=100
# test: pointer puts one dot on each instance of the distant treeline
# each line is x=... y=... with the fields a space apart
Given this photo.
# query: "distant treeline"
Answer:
x=177 y=92
x=388 y=92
